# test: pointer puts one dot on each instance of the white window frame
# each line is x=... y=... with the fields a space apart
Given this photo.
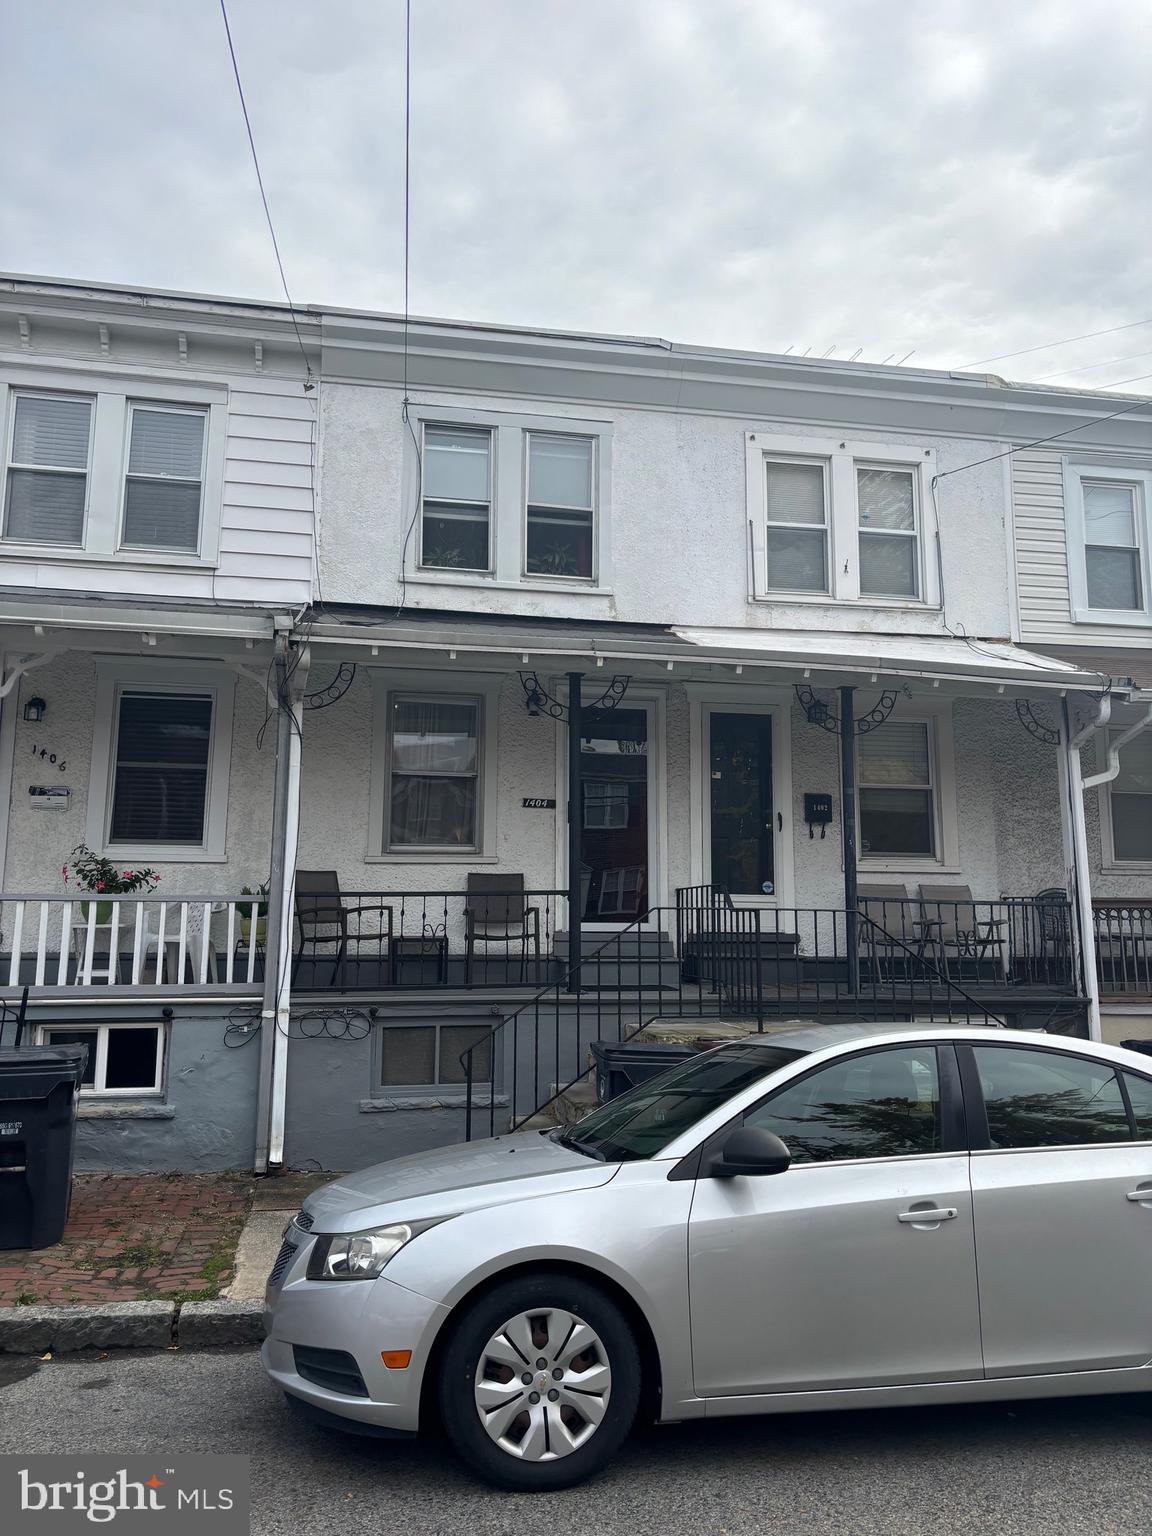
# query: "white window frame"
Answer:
x=471 y=687
x=1075 y=473
x=97 y=1089
x=533 y=577
x=427 y=425
x=112 y=398
x=942 y=770
x=201 y=411
x=16 y=394
x=115 y=677
x=1109 y=863
x=508 y=519
x=825 y=527
x=916 y=533
x=841 y=458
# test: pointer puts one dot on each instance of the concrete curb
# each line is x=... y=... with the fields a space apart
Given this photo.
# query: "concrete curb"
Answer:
x=129 y=1325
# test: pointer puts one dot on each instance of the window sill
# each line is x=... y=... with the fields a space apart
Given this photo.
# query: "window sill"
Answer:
x=76 y=555
x=161 y=855
x=823 y=600
x=1141 y=620
x=430 y=1100
x=909 y=865
x=1139 y=869
x=106 y=1109
x=418 y=857
x=481 y=583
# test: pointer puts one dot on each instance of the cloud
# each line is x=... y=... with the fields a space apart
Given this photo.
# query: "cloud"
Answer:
x=959 y=178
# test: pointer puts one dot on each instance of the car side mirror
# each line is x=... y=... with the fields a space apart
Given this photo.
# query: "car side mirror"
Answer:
x=750 y=1150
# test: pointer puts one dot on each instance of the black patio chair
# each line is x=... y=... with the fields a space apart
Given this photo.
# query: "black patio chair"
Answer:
x=324 y=917
x=496 y=911
x=12 y=1020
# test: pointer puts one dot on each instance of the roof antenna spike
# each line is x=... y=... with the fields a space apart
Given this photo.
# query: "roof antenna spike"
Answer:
x=855 y=354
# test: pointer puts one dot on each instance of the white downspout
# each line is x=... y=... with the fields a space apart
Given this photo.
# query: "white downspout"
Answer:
x=1081 y=877
x=1122 y=740
x=279 y=1093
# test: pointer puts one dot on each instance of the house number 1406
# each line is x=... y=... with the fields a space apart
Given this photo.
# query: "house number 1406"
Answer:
x=42 y=754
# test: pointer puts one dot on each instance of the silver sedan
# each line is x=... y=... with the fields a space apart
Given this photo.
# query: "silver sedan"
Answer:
x=833 y=1217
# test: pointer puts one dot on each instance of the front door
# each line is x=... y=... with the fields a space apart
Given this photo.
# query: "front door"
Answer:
x=856 y=1267
x=615 y=815
x=1065 y=1251
x=740 y=803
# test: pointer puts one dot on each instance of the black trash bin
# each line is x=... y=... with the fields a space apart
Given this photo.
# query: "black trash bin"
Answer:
x=38 y=1089
x=620 y=1066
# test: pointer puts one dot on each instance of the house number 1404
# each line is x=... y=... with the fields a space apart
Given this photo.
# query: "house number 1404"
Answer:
x=42 y=754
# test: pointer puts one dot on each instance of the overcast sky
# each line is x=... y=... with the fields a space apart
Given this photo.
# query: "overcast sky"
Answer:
x=962 y=179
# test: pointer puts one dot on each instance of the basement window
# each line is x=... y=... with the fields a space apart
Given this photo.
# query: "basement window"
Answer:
x=427 y=1055
x=123 y=1059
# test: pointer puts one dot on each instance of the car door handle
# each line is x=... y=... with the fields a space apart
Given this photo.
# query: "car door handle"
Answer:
x=1141 y=1196
x=941 y=1213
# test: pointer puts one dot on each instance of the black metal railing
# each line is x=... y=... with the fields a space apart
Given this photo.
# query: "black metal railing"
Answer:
x=745 y=965
x=1012 y=941
x=369 y=941
x=1123 y=933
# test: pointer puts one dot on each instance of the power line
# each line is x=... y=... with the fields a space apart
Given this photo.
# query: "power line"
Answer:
x=1107 y=362
x=1020 y=447
x=1116 y=383
x=1049 y=345
x=260 y=183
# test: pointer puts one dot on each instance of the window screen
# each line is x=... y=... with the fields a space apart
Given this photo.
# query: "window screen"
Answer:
x=48 y=469
x=161 y=772
x=165 y=472
x=796 y=537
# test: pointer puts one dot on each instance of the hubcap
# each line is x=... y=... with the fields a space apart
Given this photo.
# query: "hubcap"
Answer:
x=542 y=1385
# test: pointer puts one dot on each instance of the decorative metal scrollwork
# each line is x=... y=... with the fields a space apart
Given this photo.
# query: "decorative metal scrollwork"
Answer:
x=336 y=689
x=1034 y=725
x=538 y=701
x=821 y=714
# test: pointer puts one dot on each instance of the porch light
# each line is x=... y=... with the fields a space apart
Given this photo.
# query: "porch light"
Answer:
x=35 y=710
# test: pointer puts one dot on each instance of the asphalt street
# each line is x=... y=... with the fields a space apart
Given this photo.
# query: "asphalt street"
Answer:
x=1030 y=1468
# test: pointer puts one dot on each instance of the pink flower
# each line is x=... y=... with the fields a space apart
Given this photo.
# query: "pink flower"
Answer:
x=99 y=885
x=156 y=879
x=64 y=872
x=128 y=874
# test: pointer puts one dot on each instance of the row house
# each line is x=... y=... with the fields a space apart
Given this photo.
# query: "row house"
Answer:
x=481 y=697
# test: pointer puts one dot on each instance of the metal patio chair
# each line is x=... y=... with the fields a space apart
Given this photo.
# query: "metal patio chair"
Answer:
x=324 y=917
x=496 y=911
x=957 y=932
x=888 y=909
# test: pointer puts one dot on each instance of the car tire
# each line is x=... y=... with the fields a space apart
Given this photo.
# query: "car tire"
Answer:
x=529 y=1427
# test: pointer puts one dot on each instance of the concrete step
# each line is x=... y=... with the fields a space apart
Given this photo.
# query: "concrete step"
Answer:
x=629 y=975
x=636 y=941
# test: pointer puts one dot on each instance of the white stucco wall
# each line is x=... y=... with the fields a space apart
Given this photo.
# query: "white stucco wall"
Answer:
x=679 y=522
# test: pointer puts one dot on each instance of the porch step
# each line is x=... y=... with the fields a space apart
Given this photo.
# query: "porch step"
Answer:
x=646 y=942
x=629 y=975
x=572 y=1105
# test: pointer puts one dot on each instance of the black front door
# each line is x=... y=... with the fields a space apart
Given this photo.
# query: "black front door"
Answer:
x=614 y=815
x=740 y=765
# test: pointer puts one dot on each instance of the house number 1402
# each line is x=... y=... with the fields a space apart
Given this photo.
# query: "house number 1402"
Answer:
x=42 y=754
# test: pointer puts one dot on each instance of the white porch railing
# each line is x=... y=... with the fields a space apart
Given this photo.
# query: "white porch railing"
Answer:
x=210 y=942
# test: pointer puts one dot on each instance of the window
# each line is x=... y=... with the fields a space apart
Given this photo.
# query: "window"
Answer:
x=1108 y=543
x=48 y=469
x=428 y=1055
x=1130 y=802
x=123 y=1059
x=882 y=1104
x=165 y=477
x=1037 y=1098
x=457 y=508
x=160 y=787
x=434 y=772
x=561 y=506
x=605 y=805
x=889 y=547
x=1140 y=1097
x=796 y=540
x=161 y=755
x=839 y=521
x=897 y=806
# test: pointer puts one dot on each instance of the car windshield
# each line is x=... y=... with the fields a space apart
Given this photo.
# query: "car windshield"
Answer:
x=643 y=1122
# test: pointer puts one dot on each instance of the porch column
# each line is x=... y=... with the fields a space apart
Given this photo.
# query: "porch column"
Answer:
x=848 y=826
x=575 y=802
x=1077 y=837
x=276 y=1010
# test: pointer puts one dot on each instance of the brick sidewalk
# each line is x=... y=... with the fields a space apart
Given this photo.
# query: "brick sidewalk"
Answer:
x=135 y=1237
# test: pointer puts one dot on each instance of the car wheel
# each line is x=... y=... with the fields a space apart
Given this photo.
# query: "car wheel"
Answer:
x=539 y=1382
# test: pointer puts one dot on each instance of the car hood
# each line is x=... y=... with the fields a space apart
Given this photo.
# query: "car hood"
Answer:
x=450 y=1180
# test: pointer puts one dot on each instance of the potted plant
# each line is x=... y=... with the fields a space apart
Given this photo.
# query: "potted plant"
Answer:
x=91 y=872
x=257 y=909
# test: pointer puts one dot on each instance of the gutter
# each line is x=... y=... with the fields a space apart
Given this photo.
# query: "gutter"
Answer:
x=1122 y=740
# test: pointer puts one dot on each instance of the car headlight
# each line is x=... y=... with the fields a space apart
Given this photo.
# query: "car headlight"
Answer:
x=360 y=1255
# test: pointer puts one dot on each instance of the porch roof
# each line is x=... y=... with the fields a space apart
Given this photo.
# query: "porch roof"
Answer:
x=822 y=656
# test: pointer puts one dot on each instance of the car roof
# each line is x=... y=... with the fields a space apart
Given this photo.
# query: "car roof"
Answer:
x=808 y=1036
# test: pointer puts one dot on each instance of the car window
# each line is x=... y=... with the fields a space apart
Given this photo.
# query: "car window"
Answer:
x=1140 y=1093
x=1041 y=1098
x=880 y=1104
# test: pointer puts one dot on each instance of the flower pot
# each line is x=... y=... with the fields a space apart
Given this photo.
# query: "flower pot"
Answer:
x=103 y=912
x=246 y=930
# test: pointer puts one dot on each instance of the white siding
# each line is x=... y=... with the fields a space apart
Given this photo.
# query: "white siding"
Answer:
x=1041 y=547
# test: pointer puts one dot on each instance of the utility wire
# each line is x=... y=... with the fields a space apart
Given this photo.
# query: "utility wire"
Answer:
x=1049 y=345
x=1107 y=362
x=1116 y=383
x=1037 y=442
x=260 y=184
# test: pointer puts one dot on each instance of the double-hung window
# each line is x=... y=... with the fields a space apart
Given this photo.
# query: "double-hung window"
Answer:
x=165 y=479
x=897 y=791
x=796 y=539
x=889 y=545
x=433 y=799
x=160 y=783
x=1109 y=535
x=456 y=515
x=841 y=522
x=1130 y=802
x=561 y=506
x=47 y=481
